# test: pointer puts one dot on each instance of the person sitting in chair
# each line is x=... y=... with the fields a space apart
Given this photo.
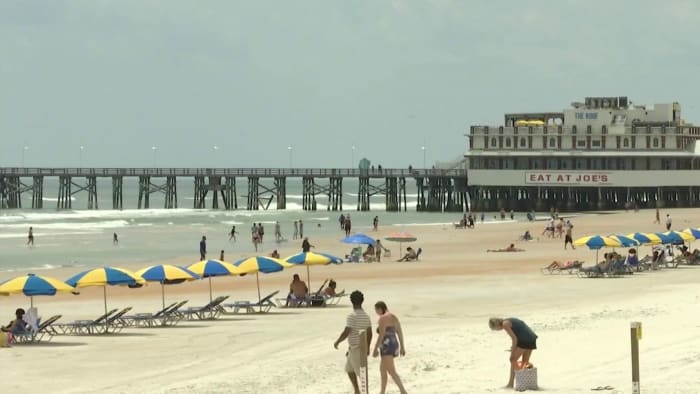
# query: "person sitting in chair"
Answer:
x=369 y=254
x=297 y=291
x=16 y=327
x=330 y=291
x=275 y=254
x=409 y=256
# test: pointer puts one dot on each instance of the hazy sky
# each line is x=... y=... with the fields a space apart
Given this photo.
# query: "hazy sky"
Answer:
x=253 y=77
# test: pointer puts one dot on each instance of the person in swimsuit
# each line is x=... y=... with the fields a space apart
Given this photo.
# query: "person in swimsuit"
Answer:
x=389 y=344
x=524 y=342
x=30 y=237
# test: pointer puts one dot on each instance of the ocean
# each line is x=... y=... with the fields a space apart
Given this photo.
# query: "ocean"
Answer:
x=83 y=238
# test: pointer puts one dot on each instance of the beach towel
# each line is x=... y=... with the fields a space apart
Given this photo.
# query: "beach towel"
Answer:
x=526 y=379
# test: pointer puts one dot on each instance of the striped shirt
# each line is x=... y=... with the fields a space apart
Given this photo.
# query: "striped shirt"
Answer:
x=357 y=321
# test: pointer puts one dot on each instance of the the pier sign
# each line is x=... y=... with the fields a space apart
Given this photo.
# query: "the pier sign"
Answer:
x=568 y=178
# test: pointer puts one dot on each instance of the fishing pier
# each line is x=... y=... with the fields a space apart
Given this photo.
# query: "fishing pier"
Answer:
x=437 y=189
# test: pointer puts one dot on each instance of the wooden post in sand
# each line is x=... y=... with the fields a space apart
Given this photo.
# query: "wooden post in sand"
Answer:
x=635 y=336
x=364 y=350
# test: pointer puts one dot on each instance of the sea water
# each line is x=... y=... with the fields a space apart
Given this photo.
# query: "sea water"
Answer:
x=83 y=238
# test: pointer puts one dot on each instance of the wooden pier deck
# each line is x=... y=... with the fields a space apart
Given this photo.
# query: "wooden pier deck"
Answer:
x=437 y=189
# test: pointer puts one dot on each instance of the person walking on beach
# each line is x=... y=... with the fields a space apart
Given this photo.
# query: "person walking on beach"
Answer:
x=115 y=239
x=375 y=223
x=296 y=230
x=221 y=255
x=306 y=245
x=512 y=215
x=278 y=232
x=389 y=344
x=482 y=218
x=524 y=341
x=261 y=231
x=567 y=237
x=255 y=236
x=657 y=220
x=356 y=322
x=30 y=237
x=348 y=226
x=203 y=248
x=232 y=234
x=301 y=229
x=341 y=220
x=669 y=222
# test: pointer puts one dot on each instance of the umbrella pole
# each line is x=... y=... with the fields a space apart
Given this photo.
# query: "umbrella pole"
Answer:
x=162 y=292
x=308 y=276
x=31 y=302
x=210 y=295
x=257 y=279
x=105 y=297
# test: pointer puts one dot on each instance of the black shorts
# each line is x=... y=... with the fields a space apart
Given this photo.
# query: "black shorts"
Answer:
x=567 y=239
x=528 y=345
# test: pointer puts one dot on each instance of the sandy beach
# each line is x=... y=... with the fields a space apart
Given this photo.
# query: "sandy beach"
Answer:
x=444 y=302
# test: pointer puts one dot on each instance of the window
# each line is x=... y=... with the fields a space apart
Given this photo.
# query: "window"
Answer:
x=552 y=143
x=494 y=142
x=523 y=142
x=507 y=142
x=595 y=143
x=655 y=142
x=581 y=143
x=626 y=143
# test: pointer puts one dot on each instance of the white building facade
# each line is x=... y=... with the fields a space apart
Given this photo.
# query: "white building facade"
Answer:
x=604 y=153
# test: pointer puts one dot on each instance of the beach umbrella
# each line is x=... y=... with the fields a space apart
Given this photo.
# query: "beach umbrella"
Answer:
x=34 y=285
x=105 y=276
x=210 y=268
x=166 y=274
x=596 y=242
x=310 y=258
x=665 y=238
x=694 y=232
x=625 y=241
x=400 y=237
x=679 y=237
x=259 y=264
x=645 y=238
x=359 y=238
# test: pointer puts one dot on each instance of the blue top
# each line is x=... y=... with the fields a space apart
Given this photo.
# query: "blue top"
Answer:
x=521 y=330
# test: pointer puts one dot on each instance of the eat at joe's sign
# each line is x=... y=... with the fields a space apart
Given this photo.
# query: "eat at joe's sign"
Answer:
x=567 y=178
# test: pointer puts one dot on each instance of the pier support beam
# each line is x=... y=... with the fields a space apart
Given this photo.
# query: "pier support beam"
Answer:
x=170 y=192
x=308 y=194
x=253 y=193
x=37 y=192
x=363 y=194
x=230 y=196
x=118 y=192
x=281 y=192
x=391 y=197
x=64 y=193
x=144 y=191
x=335 y=194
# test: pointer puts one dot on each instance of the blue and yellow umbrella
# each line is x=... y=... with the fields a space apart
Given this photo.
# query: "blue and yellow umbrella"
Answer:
x=625 y=241
x=311 y=258
x=105 y=276
x=262 y=264
x=645 y=238
x=665 y=238
x=34 y=285
x=166 y=274
x=679 y=237
x=694 y=232
x=210 y=268
x=596 y=242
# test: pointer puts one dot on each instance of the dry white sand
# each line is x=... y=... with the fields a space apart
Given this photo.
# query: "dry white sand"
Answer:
x=444 y=302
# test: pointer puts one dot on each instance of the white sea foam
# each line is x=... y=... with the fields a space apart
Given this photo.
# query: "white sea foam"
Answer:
x=72 y=225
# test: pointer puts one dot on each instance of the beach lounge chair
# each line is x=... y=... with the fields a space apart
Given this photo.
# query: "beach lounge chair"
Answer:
x=355 y=255
x=263 y=306
x=83 y=327
x=569 y=267
x=596 y=271
x=44 y=329
x=335 y=300
x=147 y=319
x=209 y=311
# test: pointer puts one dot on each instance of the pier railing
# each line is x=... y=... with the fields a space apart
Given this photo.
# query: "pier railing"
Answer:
x=234 y=172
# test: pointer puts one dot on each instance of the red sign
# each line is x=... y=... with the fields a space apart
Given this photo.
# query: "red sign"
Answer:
x=568 y=178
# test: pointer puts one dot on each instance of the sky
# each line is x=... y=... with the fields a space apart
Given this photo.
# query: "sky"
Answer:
x=253 y=78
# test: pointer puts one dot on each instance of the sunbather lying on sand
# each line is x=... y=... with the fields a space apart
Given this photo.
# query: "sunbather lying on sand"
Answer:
x=564 y=265
x=510 y=248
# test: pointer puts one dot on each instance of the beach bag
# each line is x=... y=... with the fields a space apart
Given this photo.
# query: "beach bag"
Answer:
x=526 y=378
